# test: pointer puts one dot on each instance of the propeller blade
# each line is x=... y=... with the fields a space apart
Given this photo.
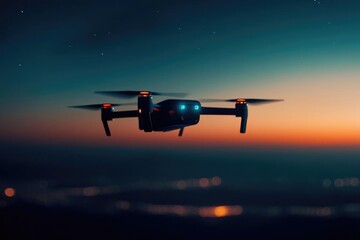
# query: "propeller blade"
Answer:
x=119 y=94
x=181 y=95
x=217 y=100
x=99 y=106
x=131 y=94
x=253 y=101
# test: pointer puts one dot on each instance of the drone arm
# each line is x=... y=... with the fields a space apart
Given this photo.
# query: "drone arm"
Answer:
x=107 y=129
x=181 y=131
x=240 y=110
x=125 y=114
x=107 y=114
x=217 y=111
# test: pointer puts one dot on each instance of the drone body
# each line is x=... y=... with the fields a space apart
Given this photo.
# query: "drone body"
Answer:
x=170 y=114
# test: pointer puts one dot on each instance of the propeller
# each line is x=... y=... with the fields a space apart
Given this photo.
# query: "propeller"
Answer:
x=131 y=94
x=99 y=106
x=253 y=101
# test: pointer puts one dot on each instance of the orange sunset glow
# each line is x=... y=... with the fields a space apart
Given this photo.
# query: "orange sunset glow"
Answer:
x=318 y=110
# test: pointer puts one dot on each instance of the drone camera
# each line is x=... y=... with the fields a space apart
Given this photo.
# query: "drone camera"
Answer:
x=194 y=107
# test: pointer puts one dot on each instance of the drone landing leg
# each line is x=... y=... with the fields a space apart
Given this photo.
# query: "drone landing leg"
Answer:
x=107 y=129
x=243 y=124
x=181 y=132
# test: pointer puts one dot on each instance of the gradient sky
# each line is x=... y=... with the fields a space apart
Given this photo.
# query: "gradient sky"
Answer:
x=56 y=53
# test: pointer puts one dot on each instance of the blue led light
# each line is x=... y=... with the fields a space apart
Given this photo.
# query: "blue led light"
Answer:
x=196 y=107
x=182 y=107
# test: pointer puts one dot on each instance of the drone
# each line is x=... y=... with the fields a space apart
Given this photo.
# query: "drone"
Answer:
x=170 y=114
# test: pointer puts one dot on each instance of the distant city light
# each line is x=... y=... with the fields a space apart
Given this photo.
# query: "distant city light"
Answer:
x=9 y=192
x=183 y=210
x=216 y=181
x=342 y=182
x=123 y=205
x=354 y=182
x=90 y=191
x=195 y=183
x=311 y=211
x=204 y=182
x=221 y=211
x=181 y=184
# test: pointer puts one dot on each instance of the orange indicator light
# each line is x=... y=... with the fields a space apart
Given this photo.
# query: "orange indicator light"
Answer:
x=241 y=101
x=106 y=105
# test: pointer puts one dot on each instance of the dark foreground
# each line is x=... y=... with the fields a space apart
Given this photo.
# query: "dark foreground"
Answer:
x=67 y=193
x=36 y=222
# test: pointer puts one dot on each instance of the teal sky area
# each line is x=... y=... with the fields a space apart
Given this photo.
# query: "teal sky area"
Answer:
x=57 y=53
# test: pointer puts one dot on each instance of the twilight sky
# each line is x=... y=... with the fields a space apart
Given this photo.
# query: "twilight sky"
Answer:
x=57 y=53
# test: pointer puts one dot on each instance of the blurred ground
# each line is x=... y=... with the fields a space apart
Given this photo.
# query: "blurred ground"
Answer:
x=91 y=193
